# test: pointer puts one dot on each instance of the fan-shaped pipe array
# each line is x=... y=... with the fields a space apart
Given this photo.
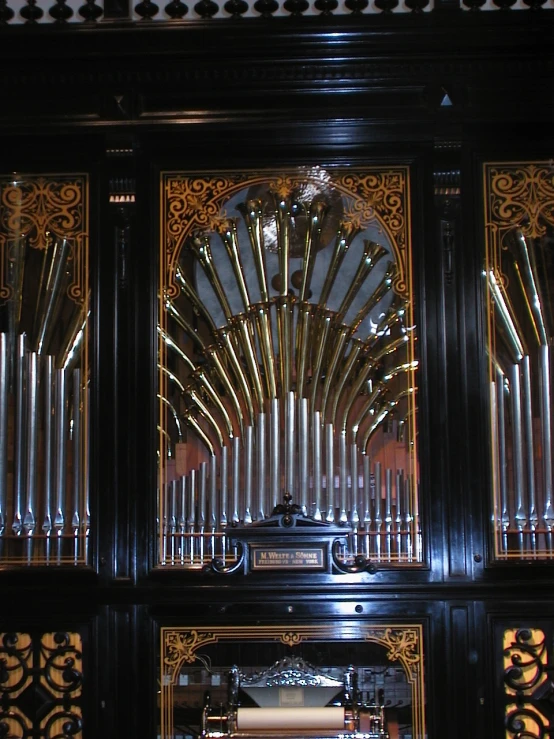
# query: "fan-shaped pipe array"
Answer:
x=287 y=360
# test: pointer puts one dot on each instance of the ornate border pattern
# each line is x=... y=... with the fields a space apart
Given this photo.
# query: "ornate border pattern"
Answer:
x=34 y=206
x=195 y=203
x=520 y=195
x=404 y=644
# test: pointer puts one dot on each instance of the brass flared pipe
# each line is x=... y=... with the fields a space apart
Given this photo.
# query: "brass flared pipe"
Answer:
x=252 y=212
x=395 y=314
x=73 y=338
x=204 y=380
x=246 y=333
x=371 y=255
x=508 y=323
x=354 y=392
x=282 y=222
x=193 y=423
x=262 y=318
x=383 y=413
x=202 y=249
x=338 y=352
x=213 y=352
x=229 y=236
x=227 y=341
x=378 y=294
x=368 y=367
x=168 y=341
x=167 y=441
x=284 y=316
x=316 y=215
x=345 y=236
x=356 y=347
x=197 y=305
x=242 y=326
x=173 y=378
x=378 y=390
x=183 y=323
x=173 y=412
x=201 y=378
x=304 y=327
x=531 y=287
x=16 y=275
x=53 y=271
x=324 y=319
x=205 y=411
x=373 y=360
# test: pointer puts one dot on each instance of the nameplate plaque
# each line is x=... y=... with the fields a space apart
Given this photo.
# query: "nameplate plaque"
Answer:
x=288 y=558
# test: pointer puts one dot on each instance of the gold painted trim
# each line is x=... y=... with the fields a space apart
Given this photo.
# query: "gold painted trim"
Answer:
x=403 y=642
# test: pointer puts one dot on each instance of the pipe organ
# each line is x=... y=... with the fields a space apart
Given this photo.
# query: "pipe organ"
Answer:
x=520 y=334
x=44 y=379
x=287 y=361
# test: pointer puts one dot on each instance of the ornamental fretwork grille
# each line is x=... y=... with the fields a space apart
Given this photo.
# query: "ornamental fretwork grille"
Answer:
x=41 y=677
x=518 y=286
x=287 y=361
x=44 y=369
x=528 y=686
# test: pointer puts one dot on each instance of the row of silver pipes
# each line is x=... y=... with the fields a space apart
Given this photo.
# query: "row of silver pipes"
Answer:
x=522 y=454
x=245 y=481
x=44 y=506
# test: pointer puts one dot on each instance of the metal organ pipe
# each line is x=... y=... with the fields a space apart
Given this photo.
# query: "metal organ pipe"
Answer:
x=60 y=451
x=19 y=450
x=29 y=519
x=4 y=389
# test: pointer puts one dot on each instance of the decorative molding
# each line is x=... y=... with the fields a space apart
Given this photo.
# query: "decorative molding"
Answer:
x=520 y=195
x=37 y=207
x=378 y=193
